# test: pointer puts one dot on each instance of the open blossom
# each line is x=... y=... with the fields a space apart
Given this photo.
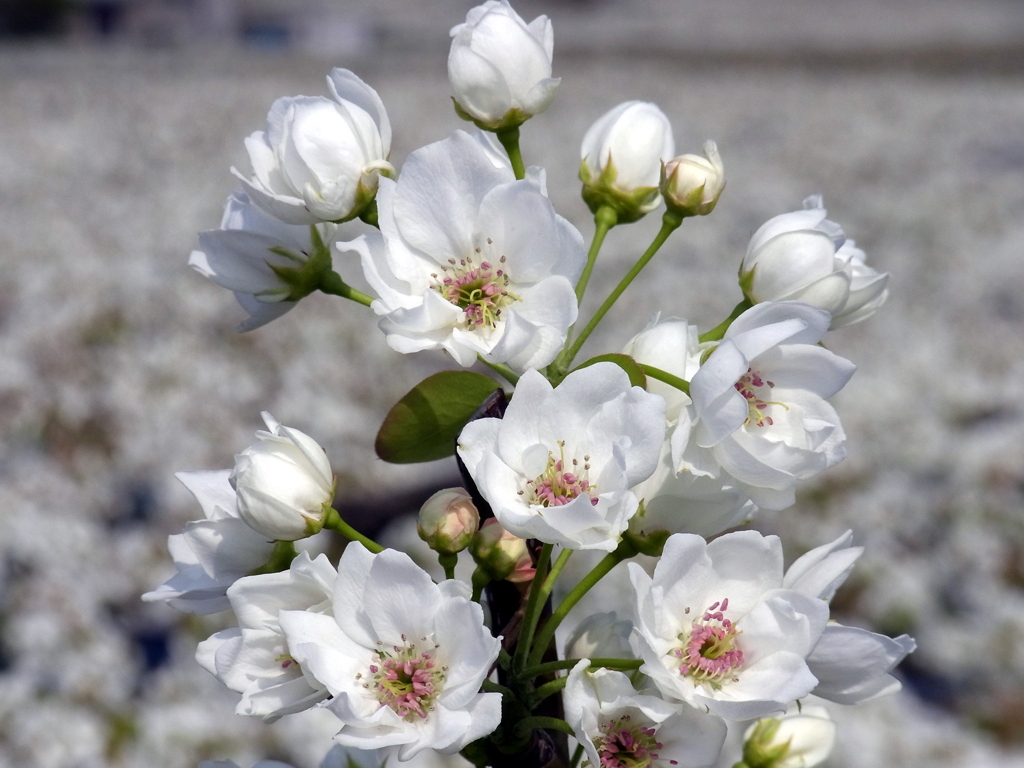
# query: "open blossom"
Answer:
x=852 y=664
x=620 y=728
x=558 y=467
x=717 y=628
x=251 y=253
x=679 y=497
x=759 y=403
x=253 y=657
x=803 y=256
x=403 y=658
x=283 y=483
x=320 y=159
x=470 y=260
x=622 y=156
x=213 y=553
x=500 y=66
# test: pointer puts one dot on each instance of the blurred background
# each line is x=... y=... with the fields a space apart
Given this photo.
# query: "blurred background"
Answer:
x=119 y=122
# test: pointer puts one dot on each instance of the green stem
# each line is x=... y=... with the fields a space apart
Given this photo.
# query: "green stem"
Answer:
x=604 y=220
x=334 y=522
x=502 y=370
x=533 y=608
x=623 y=665
x=492 y=687
x=448 y=562
x=479 y=580
x=576 y=756
x=673 y=381
x=280 y=558
x=669 y=223
x=719 y=330
x=549 y=689
x=543 y=592
x=509 y=139
x=528 y=724
x=332 y=284
x=547 y=633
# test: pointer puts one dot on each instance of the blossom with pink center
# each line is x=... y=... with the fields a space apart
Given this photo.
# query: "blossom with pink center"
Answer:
x=621 y=728
x=760 y=416
x=470 y=260
x=558 y=467
x=401 y=657
x=717 y=628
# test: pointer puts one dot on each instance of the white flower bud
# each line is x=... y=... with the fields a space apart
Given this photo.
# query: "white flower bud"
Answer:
x=622 y=153
x=802 y=256
x=500 y=66
x=448 y=521
x=319 y=158
x=284 y=483
x=693 y=184
x=502 y=554
x=799 y=739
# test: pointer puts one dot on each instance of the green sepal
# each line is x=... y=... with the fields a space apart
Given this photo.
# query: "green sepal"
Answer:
x=306 y=277
x=747 y=283
x=601 y=192
x=425 y=423
x=759 y=751
x=511 y=119
x=651 y=544
x=637 y=377
x=280 y=559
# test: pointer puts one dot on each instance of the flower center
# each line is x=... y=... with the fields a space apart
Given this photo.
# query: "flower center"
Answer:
x=708 y=652
x=407 y=680
x=286 y=661
x=624 y=745
x=752 y=387
x=560 y=482
x=479 y=290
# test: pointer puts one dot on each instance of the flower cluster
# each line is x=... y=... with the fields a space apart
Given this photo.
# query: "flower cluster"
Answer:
x=635 y=457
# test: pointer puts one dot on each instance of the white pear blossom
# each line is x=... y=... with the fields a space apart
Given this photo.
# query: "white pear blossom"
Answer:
x=678 y=497
x=470 y=260
x=448 y=520
x=558 y=467
x=500 y=66
x=213 y=553
x=800 y=738
x=283 y=483
x=717 y=629
x=600 y=636
x=693 y=184
x=248 y=254
x=320 y=159
x=852 y=664
x=620 y=728
x=759 y=404
x=622 y=156
x=253 y=658
x=403 y=658
x=803 y=256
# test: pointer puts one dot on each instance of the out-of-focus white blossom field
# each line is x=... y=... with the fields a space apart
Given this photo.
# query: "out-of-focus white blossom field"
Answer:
x=119 y=365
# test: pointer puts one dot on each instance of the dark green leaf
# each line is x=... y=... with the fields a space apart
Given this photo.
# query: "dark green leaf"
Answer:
x=424 y=424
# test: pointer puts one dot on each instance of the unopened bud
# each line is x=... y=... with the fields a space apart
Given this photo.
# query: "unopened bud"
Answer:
x=796 y=740
x=692 y=184
x=501 y=554
x=448 y=521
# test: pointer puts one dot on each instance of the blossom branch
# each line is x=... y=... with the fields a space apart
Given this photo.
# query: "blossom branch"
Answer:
x=509 y=139
x=670 y=222
x=624 y=665
x=719 y=330
x=331 y=283
x=604 y=220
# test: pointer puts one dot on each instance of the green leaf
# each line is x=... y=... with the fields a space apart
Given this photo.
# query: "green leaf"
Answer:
x=425 y=423
x=637 y=377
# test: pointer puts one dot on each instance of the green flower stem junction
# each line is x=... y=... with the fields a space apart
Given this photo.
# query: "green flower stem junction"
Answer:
x=334 y=522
